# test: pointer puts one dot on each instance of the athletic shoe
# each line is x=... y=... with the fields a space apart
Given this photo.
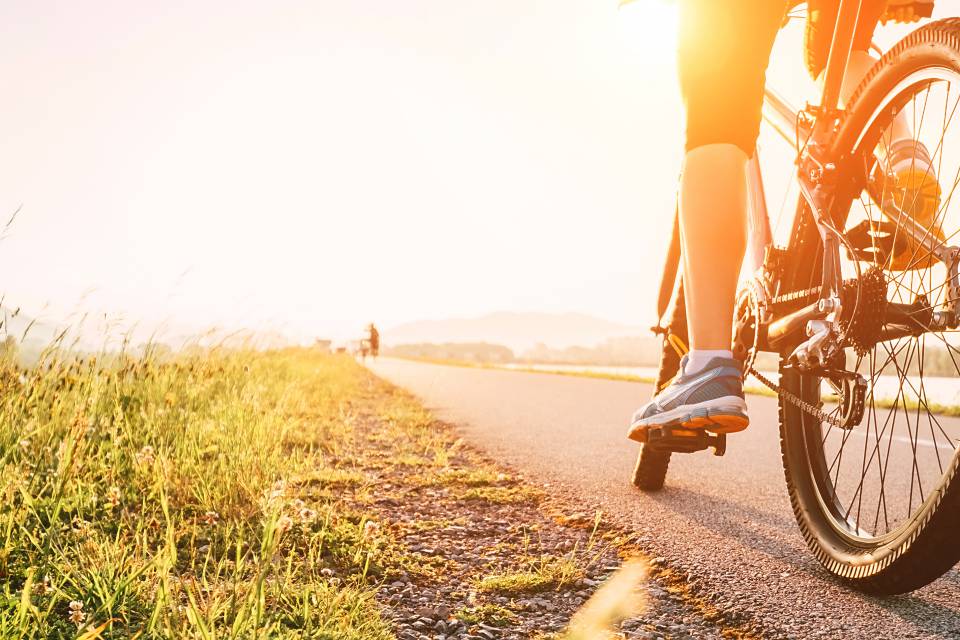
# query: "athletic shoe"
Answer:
x=710 y=399
x=906 y=179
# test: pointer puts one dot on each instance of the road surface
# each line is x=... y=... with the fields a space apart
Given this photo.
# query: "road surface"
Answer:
x=726 y=522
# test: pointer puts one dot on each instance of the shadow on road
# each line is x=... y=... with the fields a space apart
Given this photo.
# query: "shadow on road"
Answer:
x=740 y=522
x=931 y=617
x=746 y=525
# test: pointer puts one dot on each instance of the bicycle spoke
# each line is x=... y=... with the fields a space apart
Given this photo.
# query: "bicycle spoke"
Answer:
x=876 y=450
x=874 y=487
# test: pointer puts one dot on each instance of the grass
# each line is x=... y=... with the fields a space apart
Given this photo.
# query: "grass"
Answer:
x=192 y=497
x=222 y=494
x=501 y=495
x=542 y=574
x=468 y=478
x=487 y=613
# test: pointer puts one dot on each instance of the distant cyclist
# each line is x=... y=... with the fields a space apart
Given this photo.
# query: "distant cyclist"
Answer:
x=373 y=339
x=724 y=49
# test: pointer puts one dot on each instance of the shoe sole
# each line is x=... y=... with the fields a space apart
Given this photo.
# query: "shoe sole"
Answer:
x=723 y=415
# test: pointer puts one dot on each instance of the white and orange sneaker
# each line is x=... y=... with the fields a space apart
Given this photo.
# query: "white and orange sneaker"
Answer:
x=710 y=399
x=906 y=180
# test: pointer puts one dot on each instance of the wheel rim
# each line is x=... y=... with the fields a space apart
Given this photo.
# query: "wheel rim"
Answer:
x=875 y=480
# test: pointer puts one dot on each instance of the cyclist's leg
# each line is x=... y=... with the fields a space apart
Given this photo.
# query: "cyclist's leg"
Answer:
x=724 y=49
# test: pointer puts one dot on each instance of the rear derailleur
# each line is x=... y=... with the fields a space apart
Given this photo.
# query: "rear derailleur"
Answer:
x=849 y=387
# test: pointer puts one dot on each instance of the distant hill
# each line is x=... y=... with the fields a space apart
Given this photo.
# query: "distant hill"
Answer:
x=15 y=323
x=520 y=331
x=30 y=334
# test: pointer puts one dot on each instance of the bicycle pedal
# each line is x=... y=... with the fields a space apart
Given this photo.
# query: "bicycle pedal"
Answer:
x=677 y=439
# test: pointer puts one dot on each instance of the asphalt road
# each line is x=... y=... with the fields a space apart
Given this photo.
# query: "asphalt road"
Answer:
x=726 y=522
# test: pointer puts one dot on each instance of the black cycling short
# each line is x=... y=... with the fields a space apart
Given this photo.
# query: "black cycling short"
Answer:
x=724 y=49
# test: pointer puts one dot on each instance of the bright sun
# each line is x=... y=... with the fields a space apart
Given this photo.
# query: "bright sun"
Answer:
x=649 y=25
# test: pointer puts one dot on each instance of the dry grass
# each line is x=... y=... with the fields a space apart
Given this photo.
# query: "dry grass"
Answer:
x=194 y=497
x=214 y=495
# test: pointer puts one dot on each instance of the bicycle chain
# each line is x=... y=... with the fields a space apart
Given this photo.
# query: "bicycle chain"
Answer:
x=793 y=296
x=787 y=298
x=793 y=399
x=796 y=400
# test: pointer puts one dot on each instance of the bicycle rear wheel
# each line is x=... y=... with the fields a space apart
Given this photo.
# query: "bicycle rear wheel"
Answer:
x=650 y=471
x=879 y=502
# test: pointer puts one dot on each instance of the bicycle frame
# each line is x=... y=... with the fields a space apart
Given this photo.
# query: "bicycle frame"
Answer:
x=811 y=131
x=813 y=174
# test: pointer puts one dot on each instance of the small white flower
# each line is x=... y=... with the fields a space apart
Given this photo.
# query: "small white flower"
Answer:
x=43 y=587
x=145 y=456
x=77 y=616
x=370 y=529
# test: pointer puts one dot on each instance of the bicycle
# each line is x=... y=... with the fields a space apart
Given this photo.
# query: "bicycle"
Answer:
x=878 y=503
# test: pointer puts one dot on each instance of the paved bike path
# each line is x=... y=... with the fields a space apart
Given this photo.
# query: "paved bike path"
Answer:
x=724 y=521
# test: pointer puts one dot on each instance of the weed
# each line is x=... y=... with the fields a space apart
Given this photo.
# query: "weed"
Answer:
x=487 y=613
x=539 y=575
x=501 y=495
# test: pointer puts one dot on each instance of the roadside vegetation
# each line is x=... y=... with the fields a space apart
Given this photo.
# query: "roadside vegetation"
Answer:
x=233 y=494
x=194 y=496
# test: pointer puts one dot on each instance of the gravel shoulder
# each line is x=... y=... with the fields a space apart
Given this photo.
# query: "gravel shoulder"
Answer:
x=723 y=526
x=473 y=550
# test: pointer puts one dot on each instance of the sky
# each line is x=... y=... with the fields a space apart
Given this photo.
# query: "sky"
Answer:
x=310 y=166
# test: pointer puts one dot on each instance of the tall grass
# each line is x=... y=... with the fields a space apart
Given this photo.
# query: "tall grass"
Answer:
x=178 y=498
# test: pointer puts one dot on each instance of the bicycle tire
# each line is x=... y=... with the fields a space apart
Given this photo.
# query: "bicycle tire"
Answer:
x=650 y=472
x=923 y=547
